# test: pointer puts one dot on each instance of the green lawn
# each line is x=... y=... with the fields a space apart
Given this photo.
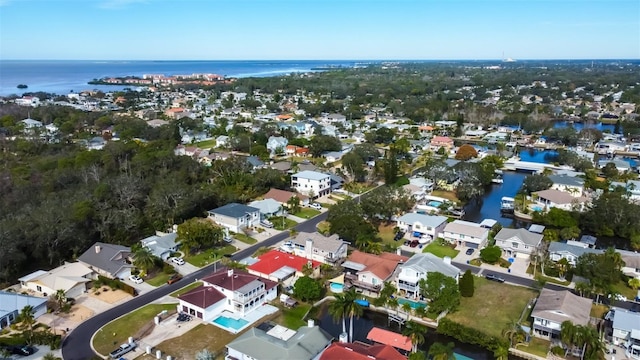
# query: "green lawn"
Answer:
x=207 y=257
x=623 y=289
x=201 y=337
x=117 y=332
x=536 y=346
x=277 y=223
x=493 y=306
x=449 y=195
x=306 y=213
x=292 y=318
x=206 y=144
x=440 y=250
x=386 y=233
x=186 y=289
x=159 y=279
x=244 y=238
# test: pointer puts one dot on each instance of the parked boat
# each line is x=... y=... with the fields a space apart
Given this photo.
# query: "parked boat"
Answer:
x=507 y=204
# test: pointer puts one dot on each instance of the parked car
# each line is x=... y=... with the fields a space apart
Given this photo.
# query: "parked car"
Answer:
x=136 y=279
x=23 y=350
x=228 y=239
x=123 y=349
x=414 y=243
x=399 y=235
x=469 y=251
x=177 y=260
x=183 y=317
x=315 y=206
x=266 y=223
x=174 y=278
x=494 y=278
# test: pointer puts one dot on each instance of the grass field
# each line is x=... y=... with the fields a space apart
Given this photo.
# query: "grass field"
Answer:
x=292 y=318
x=536 y=346
x=306 y=213
x=493 y=306
x=244 y=238
x=118 y=331
x=440 y=250
x=449 y=195
x=623 y=289
x=186 y=289
x=201 y=337
x=386 y=233
x=159 y=279
x=208 y=256
x=277 y=223
x=207 y=144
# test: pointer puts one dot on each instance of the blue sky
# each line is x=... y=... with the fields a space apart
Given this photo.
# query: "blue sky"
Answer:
x=315 y=29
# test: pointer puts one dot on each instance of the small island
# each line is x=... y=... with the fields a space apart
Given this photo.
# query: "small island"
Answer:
x=22 y=86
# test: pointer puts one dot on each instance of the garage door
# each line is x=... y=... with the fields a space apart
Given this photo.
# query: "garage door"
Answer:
x=471 y=245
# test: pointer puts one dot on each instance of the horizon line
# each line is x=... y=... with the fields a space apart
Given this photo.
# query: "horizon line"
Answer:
x=375 y=60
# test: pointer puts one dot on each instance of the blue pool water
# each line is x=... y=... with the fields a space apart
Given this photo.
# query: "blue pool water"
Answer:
x=414 y=304
x=230 y=323
x=537 y=208
x=434 y=203
x=336 y=288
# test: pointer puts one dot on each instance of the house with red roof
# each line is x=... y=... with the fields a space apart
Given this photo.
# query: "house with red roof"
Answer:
x=368 y=271
x=229 y=290
x=360 y=351
x=278 y=265
x=386 y=337
x=283 y=196
x=441 y=141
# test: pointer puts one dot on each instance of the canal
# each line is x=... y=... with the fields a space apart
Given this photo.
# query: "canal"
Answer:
x=488 y=207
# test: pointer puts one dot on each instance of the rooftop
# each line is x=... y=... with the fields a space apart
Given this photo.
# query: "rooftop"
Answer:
x=560 y=306
x=311 y=175
x=234 y=210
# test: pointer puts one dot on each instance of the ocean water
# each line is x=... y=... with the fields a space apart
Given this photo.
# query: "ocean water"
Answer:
x=64 y=76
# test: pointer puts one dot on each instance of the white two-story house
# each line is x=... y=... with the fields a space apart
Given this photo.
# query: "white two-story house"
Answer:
x=420 y=225
x=466 y=233
x=311 y=183
x=315 y=246
x=571 y=185
x=626 y=331
x=417 y=268
x=555 y=307
x=517 y=242
x=570 y=250
x=235 y=217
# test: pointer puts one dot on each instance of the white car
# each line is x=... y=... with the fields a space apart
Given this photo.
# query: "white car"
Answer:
x=177 y=260
x=315 y=206
x=136 y=279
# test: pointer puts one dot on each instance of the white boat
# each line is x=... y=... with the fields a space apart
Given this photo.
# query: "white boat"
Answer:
x=507 y=203
x=497 y=181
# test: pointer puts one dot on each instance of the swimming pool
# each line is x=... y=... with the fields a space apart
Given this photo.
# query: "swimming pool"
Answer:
x=536 y=208
x=434 y=203
x=413 y=304
x=230 y=323
x=336 y=288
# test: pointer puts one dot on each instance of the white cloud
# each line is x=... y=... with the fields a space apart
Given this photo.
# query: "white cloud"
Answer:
x=116 y=4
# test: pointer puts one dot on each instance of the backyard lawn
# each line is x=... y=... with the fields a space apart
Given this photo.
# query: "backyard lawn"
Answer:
x=277 y=223
x=159 y=279
x=623 y=289
x=306 y=213
x=493 y=306
x=449 y=195
x=186 y=289
x=207 y=144
x=536 y=346
x=117 y=332
x=292 y=318
x=440 y=250
x=208 y=256
x=386 y=233
x=203 y=336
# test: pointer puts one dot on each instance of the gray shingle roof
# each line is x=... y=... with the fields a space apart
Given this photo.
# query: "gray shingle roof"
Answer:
x=428 y=262
x=326 y=243
x=626 y=320
x=107 y=257
x=426 y=220
x=524 y=235
x=566 y=180
x=234 y=210
x=266 y=206
x=559 y=306
x=556 y=246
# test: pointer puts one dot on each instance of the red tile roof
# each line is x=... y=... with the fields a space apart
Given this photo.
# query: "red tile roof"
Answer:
x=235 y=280
x=202 y=296
x=283 y=196
x=360 y=351
x=387 y=337
x=273 y=260
x=381 y=265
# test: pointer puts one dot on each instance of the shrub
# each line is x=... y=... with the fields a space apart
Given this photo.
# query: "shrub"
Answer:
x=490 y=254
x=469 y=335
x=168 y=269
x=557 y=350
x=466 y=284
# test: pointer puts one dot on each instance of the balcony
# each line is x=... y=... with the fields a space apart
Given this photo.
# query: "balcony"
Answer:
x=246 y=298
x=352 y=280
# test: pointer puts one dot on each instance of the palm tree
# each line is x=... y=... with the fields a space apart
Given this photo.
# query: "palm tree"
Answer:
x=514 y=333
x=144 y=259
x=583 y=288
x=501 y=352
x=568 y=335
x=353 y=309
x=393 y=303
x=440 y=351
x=634 y=283
x=615 y=256
x=61 y=298
x=406 y=307
x=27 y=320
x=415 y=332
x=337 y=310
x=563 y=266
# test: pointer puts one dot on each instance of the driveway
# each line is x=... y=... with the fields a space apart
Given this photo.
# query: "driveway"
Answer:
x=185 y=269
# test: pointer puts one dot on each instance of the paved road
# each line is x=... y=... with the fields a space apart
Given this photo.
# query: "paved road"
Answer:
x=77 y=346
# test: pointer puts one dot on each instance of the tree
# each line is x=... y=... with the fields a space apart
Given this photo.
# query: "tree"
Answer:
x=50 y=356
x=305 y=288
x=61 y=298
x=353 y=309
x=491 y=254
x=294 y=204
x=514 y=333
x=466 y=284
x=144 y=259
x=634 y=283
x=536 y=182
x=442 y=292
x=610 y=171
x=390 y=167
x=205 y=355
x=322 y=143
x=337 y=310
x=348 y=221
x=415 y=332
x=440 y=351
x=198 y=233
x=563 y=266
x=27 y=320
x=354 y=165
x=466 y=152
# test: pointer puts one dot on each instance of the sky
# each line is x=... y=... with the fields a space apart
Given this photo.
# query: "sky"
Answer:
x=319 y=29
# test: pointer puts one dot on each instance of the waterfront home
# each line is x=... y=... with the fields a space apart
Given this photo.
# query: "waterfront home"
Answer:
x=621 y=165
x=385 y=337
x=324 y=249
x=11 y=304
x=311 y=183
x=438 y=142
x=417 y=267
x=555 y=307
x=631 y=260
x=234 y=291
x=609 y=147
x=277 y=144
x=466 y=233
x=572 y=185
x=161 y=244
x=631 y=187
x=559 y=199
x=369 y=272
x=570 y=250
x=72 y=278
x=360 y=351
x=517 y=242
x=110 y=260
x=283 y=196
x=626 y=331
x=269 y=341
x=278 y=266
x=267 y=208
x=420 y=225
x=235 y=217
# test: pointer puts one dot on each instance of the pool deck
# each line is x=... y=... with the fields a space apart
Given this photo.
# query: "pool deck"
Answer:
x=250 y=318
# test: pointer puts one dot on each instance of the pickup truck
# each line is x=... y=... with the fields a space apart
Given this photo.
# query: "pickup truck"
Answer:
x=123 y=349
